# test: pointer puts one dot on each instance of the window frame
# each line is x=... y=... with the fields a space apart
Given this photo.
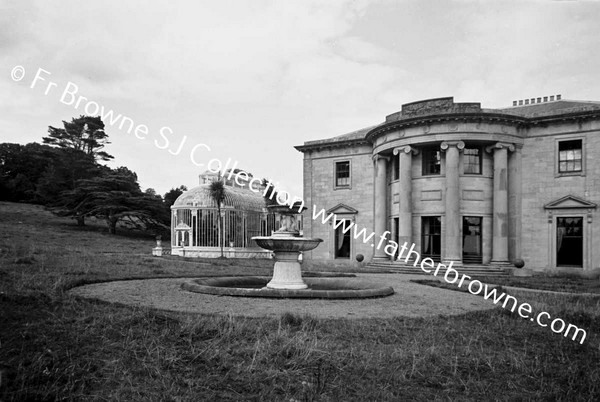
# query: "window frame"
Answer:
x=394 y=167
x=425 y=151
x=335 y=175
x=557 y=171
x=479 y=155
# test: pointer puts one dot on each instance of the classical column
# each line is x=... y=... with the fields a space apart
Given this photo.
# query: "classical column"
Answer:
x=515 y=197
x=453 y=222
x=380 y=204
x=500 y=204
x=405 y=193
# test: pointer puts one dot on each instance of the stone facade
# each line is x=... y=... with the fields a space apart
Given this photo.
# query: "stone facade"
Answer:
x=320 y=192
x=464 y=184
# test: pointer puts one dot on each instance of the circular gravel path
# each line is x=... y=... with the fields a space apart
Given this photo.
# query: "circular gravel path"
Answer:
x=409 y=300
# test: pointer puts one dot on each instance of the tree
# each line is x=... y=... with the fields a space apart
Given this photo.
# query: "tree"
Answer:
x=67 y=167
x=23 y=167
x=270 y=194
x=115 y=195
x=85 y=133
x=172 y=195
x=217 y=192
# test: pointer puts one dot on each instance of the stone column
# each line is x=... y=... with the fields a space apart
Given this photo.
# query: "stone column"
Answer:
x=453 y=222
x=515 y=197
x=500 y=204
x=405 y=193
x=380 y=205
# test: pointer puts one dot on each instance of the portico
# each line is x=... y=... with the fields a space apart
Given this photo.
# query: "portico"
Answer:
x=401 y=219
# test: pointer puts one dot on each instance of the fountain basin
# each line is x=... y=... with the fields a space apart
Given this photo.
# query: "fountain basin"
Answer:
x=289 y=244
x=318 y=288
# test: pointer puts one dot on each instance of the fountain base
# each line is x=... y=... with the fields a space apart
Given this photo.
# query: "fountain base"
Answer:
x=286 y=272
x=318 y=288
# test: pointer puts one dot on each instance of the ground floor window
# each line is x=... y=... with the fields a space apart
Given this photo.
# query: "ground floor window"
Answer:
x=472 y=240
x=569 y=241
x=431 y=237
x=342 y=240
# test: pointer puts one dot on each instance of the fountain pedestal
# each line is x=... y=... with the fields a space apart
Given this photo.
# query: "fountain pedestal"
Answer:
x=287 y=273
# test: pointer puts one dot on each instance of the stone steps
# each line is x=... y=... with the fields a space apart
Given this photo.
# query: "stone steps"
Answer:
x=471 y=269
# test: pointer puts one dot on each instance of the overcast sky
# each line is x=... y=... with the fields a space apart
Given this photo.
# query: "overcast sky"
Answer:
x=248 y=80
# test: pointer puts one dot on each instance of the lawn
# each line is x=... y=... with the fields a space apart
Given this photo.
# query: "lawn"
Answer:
x=57 y=347
x=558 y=284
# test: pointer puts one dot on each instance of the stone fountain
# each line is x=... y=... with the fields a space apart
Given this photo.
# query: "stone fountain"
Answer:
x=287 y=244
x=287 y=282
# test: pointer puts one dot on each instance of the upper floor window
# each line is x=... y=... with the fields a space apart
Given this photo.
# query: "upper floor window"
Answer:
x=472 y=160
x=570 y=156
x=394 y=174
x=431 y=161
x=342 y=174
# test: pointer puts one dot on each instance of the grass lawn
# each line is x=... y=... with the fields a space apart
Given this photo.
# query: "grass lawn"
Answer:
x=557 y=284
x=57 y=347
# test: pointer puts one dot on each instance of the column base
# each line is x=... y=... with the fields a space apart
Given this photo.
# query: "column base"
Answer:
x=455 y=263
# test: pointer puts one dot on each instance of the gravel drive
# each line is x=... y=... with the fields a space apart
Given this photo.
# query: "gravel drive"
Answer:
x=409 y=300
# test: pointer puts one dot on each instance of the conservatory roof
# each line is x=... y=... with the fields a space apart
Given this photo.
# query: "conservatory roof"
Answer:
x=241 y=199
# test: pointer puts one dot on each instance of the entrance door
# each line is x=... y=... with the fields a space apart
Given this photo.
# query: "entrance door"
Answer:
x=472 y=240
x=431 y=237
x=342 y=240
x=569 y=241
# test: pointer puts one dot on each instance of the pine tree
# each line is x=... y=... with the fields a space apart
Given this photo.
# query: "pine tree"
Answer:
x=85 y=133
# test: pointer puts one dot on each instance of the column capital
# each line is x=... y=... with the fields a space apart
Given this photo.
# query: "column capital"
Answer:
x=376 y=157
x=500 y=145
x=407 y=149
x=447 y=144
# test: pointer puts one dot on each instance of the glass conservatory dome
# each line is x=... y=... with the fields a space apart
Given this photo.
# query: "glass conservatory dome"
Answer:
x=237 y=198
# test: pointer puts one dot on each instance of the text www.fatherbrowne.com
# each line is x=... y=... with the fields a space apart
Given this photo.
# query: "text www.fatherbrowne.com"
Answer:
x=452 y=276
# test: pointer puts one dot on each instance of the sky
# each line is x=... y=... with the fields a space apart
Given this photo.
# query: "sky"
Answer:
x=246 y=81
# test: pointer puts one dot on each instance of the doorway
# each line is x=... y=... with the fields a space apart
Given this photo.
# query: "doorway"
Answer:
x=342 y=238
x=472 y=240
x=431 y=237
x=569 y=241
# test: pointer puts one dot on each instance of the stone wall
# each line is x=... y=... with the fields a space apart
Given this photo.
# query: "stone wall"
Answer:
x=543 y=184
x=320 y=192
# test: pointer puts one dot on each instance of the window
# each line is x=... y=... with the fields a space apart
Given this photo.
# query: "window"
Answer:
x=569 y=241
x=342 y=238
x=472 y=160
x=569 y=156
x=342 y=174
x=395 y=168
x=431 y=161
x=431 y=237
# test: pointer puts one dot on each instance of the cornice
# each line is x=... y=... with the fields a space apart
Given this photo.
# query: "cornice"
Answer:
x=437 y=118
x=333 y=144
x=507 y=118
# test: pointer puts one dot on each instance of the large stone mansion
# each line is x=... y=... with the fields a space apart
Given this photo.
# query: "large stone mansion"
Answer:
x=464 y=184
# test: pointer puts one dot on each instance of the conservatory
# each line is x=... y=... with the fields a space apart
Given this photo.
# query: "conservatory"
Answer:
x=195 y=223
